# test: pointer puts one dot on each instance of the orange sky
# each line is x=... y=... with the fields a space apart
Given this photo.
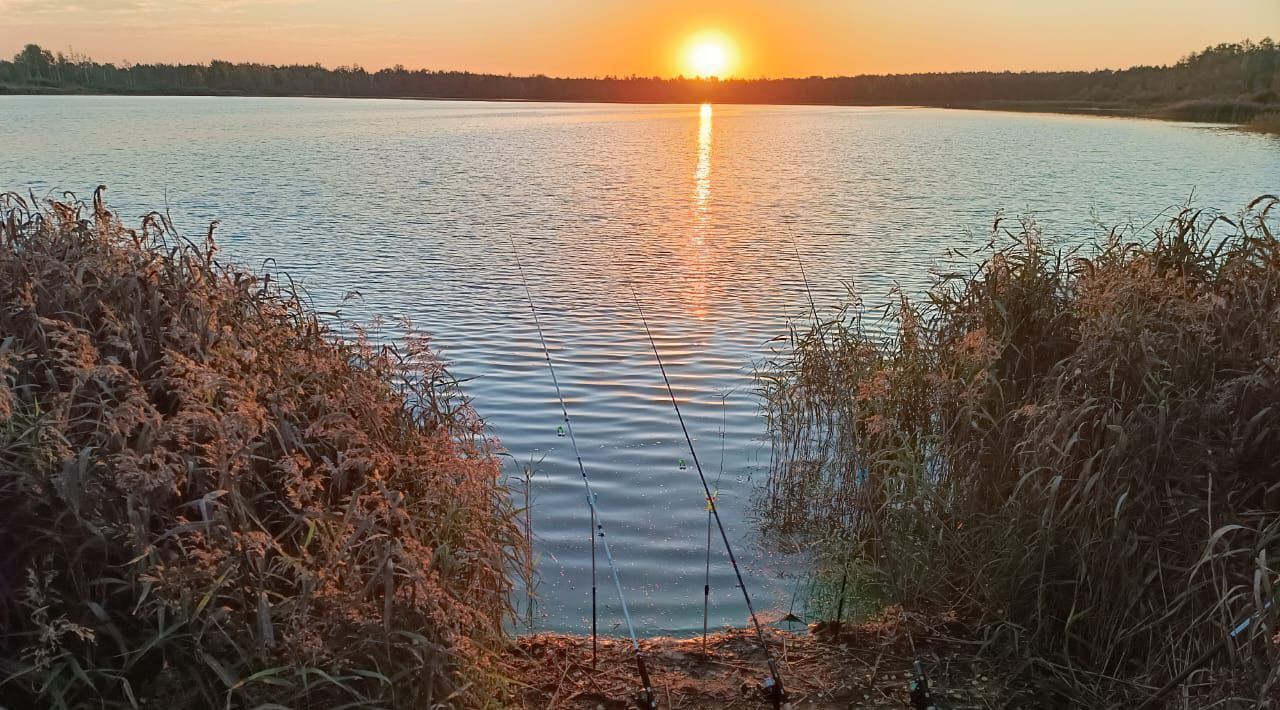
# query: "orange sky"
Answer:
x=598 y=37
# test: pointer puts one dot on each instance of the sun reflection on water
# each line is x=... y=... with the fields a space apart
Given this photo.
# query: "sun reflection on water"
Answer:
x=698 y=257
x=702 y=176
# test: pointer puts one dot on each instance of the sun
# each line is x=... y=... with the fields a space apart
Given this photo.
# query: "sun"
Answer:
x=708 y=56
x=709 y=59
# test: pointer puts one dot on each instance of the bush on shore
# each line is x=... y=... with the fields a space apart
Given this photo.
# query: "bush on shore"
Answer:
x=207 y=499
x=1080 y=453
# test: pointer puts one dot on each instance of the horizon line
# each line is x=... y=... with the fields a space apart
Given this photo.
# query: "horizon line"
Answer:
x=71 y=55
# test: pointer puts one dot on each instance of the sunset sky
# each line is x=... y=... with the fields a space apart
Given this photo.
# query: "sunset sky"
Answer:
x=622 y=37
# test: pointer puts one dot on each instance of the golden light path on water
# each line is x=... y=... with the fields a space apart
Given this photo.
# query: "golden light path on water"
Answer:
x=702 y=176
x=701 y=224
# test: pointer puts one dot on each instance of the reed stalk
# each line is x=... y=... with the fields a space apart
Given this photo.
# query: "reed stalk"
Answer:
x=1079 y=451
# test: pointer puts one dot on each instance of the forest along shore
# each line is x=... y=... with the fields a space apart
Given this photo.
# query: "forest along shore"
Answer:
x=1227 y=83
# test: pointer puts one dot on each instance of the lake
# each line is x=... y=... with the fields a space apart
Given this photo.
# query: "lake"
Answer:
x=701 y=210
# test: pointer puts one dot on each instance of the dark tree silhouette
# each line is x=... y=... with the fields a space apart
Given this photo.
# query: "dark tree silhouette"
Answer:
x=1228 y=82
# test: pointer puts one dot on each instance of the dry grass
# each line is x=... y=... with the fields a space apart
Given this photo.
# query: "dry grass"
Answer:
x=1218 y=110
x=1266 y=122
x=1083 y=454
x=208 y=500
x=866 y=666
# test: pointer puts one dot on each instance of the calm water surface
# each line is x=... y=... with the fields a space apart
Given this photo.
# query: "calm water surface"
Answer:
x=412 y=203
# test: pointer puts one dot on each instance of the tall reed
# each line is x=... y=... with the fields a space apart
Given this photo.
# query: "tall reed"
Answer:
x=208 y=500
x=1081 y=453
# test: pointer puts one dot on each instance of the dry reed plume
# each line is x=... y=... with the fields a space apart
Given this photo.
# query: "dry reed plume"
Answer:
x=210 y=501
x=1081 y=454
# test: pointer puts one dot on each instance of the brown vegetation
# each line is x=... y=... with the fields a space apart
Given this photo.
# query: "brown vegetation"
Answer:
x=1216 y=110
x=868 y=665
x=208 y=500
x=1080 y=453
x=1266 y=122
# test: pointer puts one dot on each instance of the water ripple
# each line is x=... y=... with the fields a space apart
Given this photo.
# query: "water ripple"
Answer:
x=413 y=204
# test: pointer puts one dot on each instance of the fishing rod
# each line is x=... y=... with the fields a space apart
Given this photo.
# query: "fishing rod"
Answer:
x=918 y=689
x=595 y=636
x=650 y=702
x=706 y=580
x=773 y=685
x=1204 y=658
x=804 y=277
x=813 y=308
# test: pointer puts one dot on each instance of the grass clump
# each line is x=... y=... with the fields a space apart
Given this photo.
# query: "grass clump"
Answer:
x=1080 y=453
x=208 y=500
x=1266 y=122
x=1220 y=110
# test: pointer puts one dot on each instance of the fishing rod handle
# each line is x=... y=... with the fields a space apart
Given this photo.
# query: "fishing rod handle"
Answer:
x=649 y=702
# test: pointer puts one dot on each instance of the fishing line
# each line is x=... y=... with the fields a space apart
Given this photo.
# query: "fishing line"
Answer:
x=804 y=277
x=775 y=689
x=597 y=522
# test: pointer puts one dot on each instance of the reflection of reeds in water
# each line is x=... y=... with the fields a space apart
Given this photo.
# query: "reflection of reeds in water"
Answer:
x=1266 y=123
x=528 y=570
x=1079 y=453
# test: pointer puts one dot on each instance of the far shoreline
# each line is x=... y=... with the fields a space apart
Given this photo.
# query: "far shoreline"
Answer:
x=1167 y=112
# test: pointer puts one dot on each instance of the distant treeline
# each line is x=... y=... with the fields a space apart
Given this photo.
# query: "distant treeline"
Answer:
x=1235 y=80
